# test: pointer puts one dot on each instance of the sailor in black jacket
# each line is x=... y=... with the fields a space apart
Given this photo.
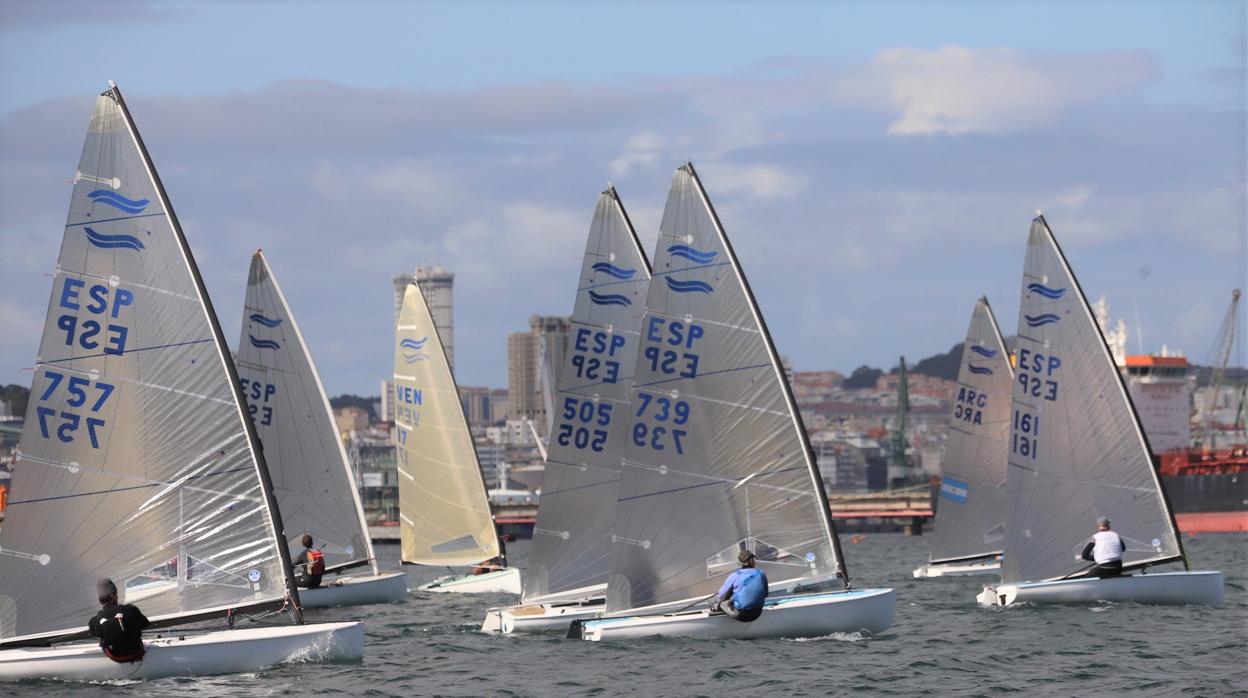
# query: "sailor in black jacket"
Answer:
x=119 y=627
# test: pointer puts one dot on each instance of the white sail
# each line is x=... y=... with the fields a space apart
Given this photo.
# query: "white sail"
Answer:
x=970 y=521
x=311 y=475
x=444 y=516
x=717 y=459
x=572 y=538
x=136 y=461
x=1076 y=449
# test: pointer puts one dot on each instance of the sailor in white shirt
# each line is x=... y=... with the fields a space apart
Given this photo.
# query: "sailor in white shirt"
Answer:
x=1105 y=549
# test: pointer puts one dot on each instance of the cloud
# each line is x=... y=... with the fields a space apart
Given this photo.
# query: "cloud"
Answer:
x=38 y=14
x=959 y=90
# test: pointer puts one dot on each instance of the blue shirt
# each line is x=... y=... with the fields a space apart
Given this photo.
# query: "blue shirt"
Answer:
x=749 y=588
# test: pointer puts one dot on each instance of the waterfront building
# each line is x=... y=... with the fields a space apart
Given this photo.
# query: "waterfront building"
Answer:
x=524 y=365
x=438 y=287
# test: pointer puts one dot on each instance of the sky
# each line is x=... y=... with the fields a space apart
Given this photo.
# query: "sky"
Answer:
x=876 y=165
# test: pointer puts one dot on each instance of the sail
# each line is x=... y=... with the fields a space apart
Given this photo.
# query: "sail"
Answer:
x=135 y=459
x=444 y=516
x=572 y=538
x=716 y=458
x=1076 y=449
x=970 y=521
x=311 y=475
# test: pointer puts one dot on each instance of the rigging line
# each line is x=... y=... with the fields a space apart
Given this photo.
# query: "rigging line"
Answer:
x=693 y=268
x=135 y=284
x=702 y=375
x=124 y=352
x=720 y=482
x=580 y=487
x=110 y=220
x=121 y=489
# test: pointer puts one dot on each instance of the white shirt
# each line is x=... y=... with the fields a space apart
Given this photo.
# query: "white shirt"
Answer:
x=1108 y=547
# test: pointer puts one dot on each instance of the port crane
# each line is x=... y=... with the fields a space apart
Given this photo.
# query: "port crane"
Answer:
x=1220 y=358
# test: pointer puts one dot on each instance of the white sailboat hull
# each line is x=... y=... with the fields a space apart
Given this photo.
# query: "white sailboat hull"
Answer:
x=221 y=652
x=811 y=615
x=1162 y=588
x=390 y=587
x=501 y=582
x=957 y=569
x=539 y=618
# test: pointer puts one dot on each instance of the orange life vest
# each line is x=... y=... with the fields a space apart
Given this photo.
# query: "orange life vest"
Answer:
x=316 y=563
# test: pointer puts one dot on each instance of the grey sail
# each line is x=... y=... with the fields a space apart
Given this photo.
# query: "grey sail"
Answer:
x=716 y=457
x=311 y=475
x=970 y=521
x=136 y=461
x=1076 y=449
x=572 y=538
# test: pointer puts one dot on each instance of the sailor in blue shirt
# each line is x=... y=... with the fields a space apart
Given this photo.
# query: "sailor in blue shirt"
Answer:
x=744 y=590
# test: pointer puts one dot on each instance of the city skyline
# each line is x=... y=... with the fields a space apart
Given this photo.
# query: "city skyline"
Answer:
x=875 y=176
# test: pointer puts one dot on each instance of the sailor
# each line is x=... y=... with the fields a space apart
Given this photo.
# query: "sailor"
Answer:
x=1105 y=549
x=312 y=563
x=495 y=564
x=119 y=627
x=744 y=591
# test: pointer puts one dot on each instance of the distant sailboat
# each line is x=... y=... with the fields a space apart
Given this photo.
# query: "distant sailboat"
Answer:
x=970 y=528
x=717 y=461
x=567 y=573
x=1077 y=452
x=312 y=477
x=137 y=460
x=444 y=515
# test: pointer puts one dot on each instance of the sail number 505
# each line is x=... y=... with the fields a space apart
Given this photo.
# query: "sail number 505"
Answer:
x=585 y=412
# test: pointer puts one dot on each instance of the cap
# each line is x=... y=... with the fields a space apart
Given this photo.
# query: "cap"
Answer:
x=745 y=556
x=1102 y=521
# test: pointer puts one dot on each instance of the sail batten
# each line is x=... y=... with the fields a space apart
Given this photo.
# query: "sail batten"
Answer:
x=445 y=517
x=128 y=313
x=587 y=428
x=717 y=460
x=312 y=475
x=1077 y=450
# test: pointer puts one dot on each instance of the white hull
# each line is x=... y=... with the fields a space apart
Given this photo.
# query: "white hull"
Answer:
x=501 y=582
x=1177 y=588
x=220 y=652
x=958 y=569
x=809 y=615
x=390 y=587
x=539 y=618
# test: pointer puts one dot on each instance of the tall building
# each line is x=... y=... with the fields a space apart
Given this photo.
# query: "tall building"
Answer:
x=438 y=285
x=524 y=365
x=476 y=402
x=387 y=401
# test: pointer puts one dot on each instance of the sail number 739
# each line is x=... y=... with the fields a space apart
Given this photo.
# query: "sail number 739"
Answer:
x=657 y=429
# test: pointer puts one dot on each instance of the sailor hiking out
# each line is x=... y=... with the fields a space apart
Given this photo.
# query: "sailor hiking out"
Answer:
x=119 y=627
x=312 y=564
x=744 y=591
x=1105 y=549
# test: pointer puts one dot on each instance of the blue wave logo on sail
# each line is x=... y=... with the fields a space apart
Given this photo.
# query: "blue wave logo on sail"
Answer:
x=117 y=201
x=981 y=370
x=692 y=254
x=1039 y=320
x=267 y=322
x=984 y=352
x=609 y=299
x=688 y=286
x=411 y=349
x=612 y=270
x=263 y=343
x=112 y=242
x=1050 y=293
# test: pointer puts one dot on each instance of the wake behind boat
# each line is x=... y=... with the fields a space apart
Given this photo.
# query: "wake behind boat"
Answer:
x=312 y=477
x=1077 y=452
x=717 y=461
x=567 y=575
x=444 y=515
x=138 y=461
x=970 y=521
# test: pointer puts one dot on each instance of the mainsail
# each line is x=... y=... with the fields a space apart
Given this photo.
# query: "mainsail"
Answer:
x=136 y=460
x=312 y=477
x=444 y=516
x=1076 y=449
x=970 y=521
x=716 y=459
x=571 y=541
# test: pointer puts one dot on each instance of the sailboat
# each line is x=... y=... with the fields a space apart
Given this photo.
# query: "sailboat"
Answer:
x=567 y=573
x=138 y=461
x=312 y=479
x=970 y=521
x=1077 y=452
x=444 y=514
x=718 y=461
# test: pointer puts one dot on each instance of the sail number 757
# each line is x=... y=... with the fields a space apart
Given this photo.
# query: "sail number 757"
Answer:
x=78 y=393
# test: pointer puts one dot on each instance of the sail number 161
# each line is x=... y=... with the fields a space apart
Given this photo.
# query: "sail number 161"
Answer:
x=1025 y=435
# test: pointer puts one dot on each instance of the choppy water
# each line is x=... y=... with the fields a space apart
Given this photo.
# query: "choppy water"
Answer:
x=942 y=643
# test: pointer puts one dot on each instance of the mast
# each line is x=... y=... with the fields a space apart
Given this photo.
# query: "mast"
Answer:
x=1122 y=386
x=257 y=450
x=816 y=479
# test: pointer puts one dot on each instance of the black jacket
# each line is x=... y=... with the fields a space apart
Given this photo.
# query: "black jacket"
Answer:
x=119 y=628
